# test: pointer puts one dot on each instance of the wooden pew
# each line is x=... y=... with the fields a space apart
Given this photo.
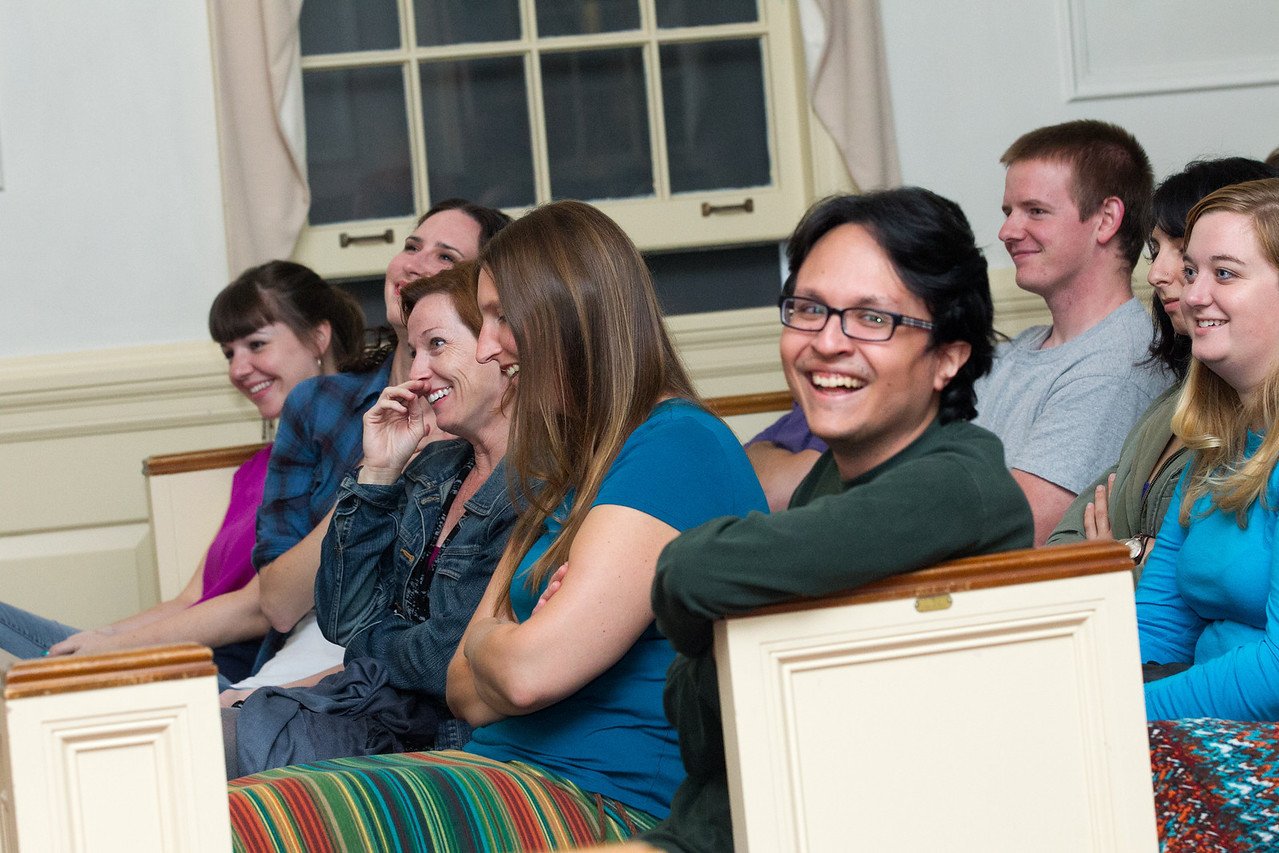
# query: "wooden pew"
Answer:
x=119 y=751
x=188 y=493
x=992 y=703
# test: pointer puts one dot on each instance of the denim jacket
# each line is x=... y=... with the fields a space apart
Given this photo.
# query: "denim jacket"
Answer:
x=378 y=534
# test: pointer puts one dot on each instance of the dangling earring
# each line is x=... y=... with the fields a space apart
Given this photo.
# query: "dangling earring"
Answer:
x=268 y=429
x=319 y=364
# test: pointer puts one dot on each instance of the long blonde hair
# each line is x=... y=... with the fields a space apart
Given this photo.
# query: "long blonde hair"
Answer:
x=1211 y=418
x=595 y=359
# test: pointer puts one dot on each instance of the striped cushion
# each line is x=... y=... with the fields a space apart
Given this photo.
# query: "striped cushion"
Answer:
x=421 y=801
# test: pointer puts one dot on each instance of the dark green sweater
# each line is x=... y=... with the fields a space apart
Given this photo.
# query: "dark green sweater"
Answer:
x=947 y=495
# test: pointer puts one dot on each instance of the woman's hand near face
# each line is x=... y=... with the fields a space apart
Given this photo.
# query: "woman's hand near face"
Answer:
x=395 y=428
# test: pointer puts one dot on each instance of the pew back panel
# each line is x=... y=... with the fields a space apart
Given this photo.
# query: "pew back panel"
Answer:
x=954 y=708
x=189 y=494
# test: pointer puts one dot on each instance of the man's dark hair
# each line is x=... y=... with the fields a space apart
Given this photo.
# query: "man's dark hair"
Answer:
x=932 y=248
x=1106 y=160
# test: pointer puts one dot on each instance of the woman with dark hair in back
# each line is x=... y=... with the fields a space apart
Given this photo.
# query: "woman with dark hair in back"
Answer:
x=1129 y=501
x=278 y=324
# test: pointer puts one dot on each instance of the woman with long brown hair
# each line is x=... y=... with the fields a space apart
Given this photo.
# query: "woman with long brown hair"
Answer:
x=562 y=669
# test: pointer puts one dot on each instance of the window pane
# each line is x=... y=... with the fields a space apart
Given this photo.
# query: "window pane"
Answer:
x=701 y=13
x=357 y=144
x=597 y=124
x=477 y=133
x=462 y=21
x=575 y=17
x=716 y=127
x=717 y=279
x=339 y=26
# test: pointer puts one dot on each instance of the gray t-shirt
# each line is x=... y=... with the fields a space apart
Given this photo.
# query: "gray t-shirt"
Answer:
x=1063 y=413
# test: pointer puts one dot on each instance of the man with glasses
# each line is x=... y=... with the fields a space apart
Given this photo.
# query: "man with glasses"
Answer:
x=887 y=316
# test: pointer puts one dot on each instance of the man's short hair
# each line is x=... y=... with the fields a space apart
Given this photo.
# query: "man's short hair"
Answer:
x=1106 y=160
x=933 y=250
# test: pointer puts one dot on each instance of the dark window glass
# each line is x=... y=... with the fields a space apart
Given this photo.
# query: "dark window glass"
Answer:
x=597 y=124
x=716 y=125
x=477 y=131
x=575 y=17
x=690 y=282
x=702 y=13
x=441 y=22
x=342 y=26
x=357 y=144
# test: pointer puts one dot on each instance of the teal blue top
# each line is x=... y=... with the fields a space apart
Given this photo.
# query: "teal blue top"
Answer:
x=1209 y=596
x=683 y=467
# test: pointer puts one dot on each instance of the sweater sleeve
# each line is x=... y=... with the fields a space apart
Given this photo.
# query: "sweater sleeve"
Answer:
x=835 y=543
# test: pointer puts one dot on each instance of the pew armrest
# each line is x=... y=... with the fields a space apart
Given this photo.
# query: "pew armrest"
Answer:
x=974 y=705
x=120 y=750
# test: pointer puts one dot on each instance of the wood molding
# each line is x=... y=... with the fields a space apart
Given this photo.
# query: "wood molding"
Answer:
x=1029 y=565
x=750 y=404
x=127 y=389
x=74 y=673
x=199 y=460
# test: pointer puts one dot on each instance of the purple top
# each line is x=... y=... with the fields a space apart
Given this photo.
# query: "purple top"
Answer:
x=790 y=432
x=228 y=564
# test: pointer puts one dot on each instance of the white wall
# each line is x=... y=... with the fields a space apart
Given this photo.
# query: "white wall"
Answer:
x=968 y=78
x=111 y=230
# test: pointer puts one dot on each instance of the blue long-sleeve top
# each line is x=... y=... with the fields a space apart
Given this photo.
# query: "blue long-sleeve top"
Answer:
x=1209 y=596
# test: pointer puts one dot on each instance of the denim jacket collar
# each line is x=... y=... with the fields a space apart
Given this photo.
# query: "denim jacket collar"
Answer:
x=449 y=456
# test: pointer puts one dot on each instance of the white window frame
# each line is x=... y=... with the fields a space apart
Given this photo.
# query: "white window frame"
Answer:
x=663 y=221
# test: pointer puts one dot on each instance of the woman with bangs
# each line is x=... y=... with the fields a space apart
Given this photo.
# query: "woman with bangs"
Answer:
x=278 y=324
x=1208 y=601
x=561 y=669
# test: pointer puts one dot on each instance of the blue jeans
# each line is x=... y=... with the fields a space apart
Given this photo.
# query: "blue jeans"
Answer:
x=26 y=635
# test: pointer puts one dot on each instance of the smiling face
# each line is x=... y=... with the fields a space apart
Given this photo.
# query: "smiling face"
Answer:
x=1231 y=300
x=266 y=364
x=1165 y=276
x=441 y=241
x=465 y=395
x=1043 y=235
x=496 y=342
x=867 y=400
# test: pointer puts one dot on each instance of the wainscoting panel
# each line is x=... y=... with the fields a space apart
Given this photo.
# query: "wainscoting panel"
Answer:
x=75 y=428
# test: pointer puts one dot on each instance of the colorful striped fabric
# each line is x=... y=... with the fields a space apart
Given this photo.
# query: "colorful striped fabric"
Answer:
x=421 y=801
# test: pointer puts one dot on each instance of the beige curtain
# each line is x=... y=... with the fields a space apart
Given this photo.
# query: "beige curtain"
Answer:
x=261 y=138
x=848 y=86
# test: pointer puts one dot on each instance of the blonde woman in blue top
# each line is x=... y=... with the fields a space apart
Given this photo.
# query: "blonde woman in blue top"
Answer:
x=1208 y=601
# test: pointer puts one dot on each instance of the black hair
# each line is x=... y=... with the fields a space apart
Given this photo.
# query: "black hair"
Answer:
x=932 y=247
x=1171 y=203
x=288 y=293
x=383 y=339
x=490 y=219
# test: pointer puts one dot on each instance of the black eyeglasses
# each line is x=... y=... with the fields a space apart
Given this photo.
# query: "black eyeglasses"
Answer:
x=861 y=324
